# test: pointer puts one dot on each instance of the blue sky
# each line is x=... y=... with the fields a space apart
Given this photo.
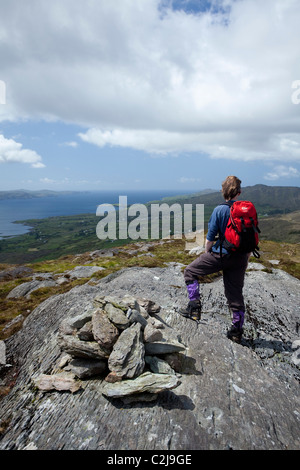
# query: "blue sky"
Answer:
x=154 y=94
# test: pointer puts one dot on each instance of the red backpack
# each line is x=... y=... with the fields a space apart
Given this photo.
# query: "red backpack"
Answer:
x=242 y=232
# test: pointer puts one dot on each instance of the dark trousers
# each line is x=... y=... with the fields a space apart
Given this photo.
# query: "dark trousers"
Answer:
x=233 y=267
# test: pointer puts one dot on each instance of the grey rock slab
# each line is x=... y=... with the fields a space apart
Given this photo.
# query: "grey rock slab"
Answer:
x=117 y=316
x=83 y=271
x=26 y=289
x=127 y=359
x=104 y=332
x=77 y=348
x=147 y=382
x=158 y=365
x=84 y=368
x=73 y=323
x=228 y=398
x=61 y=382
x=152 y=334
x=134 y=316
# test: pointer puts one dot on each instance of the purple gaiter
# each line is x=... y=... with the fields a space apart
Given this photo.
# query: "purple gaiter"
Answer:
x=238 y=319
x=193 y=290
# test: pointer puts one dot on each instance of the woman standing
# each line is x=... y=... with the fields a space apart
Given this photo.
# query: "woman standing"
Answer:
x=217 y=258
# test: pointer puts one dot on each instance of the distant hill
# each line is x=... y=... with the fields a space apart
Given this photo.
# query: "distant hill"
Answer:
x=268 y=200
x=27 y=194
x=277 y=199
x=281 y=227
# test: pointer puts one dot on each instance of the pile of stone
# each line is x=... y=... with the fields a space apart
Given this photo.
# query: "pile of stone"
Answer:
x=121 y=341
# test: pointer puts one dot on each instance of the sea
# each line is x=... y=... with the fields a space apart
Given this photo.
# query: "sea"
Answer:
x=12 y=210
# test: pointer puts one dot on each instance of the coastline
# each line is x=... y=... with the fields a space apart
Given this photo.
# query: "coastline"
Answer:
x=16 y=212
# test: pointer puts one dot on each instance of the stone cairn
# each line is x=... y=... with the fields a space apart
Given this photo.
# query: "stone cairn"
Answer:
x=122 y=342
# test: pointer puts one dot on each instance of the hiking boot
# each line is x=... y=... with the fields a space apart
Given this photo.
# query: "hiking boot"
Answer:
x=235 y=334
x=192 y=311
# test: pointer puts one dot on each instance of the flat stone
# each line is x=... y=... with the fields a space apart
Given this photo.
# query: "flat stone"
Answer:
x=158 y=365
x=127 y=357
x=80 y=320
x=85 y=368
x=152 y=334
x=60 y=382
x=147 y=382
x=117 y=316
x=135 y=316
x=70 y=324
x=76 y=348
x=104 y=332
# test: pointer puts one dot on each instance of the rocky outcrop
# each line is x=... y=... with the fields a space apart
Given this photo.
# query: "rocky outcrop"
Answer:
x=226 y=396
x=26 y=288
x=15 y=273
x=41 y=280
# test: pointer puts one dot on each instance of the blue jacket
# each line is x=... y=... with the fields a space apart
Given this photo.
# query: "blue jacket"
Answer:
x=217 y=225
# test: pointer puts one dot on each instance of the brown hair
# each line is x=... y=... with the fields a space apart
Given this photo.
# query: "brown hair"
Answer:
x=231 y=187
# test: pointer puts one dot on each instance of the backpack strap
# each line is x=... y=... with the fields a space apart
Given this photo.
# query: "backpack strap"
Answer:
x=221 y=236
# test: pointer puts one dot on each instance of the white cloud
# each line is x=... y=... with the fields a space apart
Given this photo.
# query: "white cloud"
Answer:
x=47 y=181
x=70 y=144
x=52 y=181
x=12 y=151
x=158 y=142
x=185 y=179
x=161 y=83
x=282 y=171
x=215 y=144
x=67 y=182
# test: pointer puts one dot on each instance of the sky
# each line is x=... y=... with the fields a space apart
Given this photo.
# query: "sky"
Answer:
x=149 y=94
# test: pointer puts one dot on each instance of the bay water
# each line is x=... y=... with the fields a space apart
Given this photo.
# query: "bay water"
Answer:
x=12 y=210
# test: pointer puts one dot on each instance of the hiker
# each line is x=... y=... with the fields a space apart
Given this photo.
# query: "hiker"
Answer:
x=219 y=258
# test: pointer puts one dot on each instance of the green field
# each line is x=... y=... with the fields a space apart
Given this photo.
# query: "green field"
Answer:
x=54 y=237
